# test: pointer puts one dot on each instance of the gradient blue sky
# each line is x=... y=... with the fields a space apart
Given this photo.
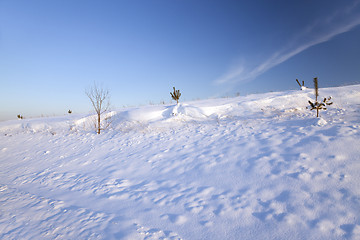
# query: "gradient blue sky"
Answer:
x=51 y=51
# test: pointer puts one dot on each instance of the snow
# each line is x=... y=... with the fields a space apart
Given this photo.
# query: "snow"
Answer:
x=252 y=167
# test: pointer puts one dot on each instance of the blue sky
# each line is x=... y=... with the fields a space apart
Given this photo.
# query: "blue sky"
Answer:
x=51 y=51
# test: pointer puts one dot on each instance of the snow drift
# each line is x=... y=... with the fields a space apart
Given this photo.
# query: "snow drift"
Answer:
x=255 y=167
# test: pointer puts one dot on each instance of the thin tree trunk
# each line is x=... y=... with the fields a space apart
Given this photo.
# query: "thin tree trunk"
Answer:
x=98 y=124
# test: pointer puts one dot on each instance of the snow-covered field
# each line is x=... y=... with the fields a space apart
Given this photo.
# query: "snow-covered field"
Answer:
x=254 y=167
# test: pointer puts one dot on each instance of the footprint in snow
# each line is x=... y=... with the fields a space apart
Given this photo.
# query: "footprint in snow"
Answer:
x=206 y=223
x=155 y=233
x=174 y=218
x=275 y=208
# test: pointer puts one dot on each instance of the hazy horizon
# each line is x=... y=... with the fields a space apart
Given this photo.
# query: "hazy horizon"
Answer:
x=51 y=51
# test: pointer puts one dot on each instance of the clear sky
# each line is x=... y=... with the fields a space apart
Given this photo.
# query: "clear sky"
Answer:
x=51 y=51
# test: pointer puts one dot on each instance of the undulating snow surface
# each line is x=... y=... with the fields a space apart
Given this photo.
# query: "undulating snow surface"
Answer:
x=255 y=167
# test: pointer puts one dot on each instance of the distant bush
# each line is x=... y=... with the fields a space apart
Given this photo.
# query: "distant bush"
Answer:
x=175 y=95
x=319 y=105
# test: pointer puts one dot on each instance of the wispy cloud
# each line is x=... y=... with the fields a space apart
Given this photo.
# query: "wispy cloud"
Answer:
x=320 y=31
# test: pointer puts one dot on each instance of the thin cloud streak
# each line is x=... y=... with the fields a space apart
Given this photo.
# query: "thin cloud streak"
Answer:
x=297 y=46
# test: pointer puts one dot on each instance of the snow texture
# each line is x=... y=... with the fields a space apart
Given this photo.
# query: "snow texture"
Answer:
x=252 y=167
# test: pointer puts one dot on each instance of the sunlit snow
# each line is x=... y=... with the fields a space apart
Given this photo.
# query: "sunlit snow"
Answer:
x=252 y=167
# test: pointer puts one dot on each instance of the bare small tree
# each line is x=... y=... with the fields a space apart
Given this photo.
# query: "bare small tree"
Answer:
x=100 y=100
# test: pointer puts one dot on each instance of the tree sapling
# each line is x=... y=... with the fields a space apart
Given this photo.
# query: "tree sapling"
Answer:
x=319 y=105
x=175 y=95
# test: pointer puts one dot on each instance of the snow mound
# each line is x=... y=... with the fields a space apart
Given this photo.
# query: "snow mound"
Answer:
x=187 y=110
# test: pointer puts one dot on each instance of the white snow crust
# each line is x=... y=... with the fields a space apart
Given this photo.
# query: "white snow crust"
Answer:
x=252 y=167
